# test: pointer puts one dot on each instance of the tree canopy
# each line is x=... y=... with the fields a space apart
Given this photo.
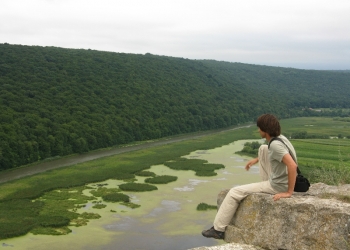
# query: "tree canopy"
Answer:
x=56 y=101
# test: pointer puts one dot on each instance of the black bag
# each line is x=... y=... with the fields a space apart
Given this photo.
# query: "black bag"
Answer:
x=301 y=183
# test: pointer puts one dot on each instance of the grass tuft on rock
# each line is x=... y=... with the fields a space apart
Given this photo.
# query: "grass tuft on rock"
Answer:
x=340 y=197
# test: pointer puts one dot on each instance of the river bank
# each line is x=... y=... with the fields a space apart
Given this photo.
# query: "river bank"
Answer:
x=44 y=166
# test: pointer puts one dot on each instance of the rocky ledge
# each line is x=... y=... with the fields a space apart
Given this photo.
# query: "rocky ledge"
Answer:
x=313 y=220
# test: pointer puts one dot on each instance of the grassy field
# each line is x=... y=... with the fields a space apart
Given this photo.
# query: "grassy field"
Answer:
x=320 y=152
x=316 y=126
x=23 y=210
x=322 y=160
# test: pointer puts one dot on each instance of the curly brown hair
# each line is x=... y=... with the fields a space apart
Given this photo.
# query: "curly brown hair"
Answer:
x=269 y=124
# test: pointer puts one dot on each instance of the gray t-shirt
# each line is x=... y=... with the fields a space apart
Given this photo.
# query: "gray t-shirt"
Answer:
x=279 y=173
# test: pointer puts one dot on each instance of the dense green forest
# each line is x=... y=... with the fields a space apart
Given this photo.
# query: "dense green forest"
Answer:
x=56 y=102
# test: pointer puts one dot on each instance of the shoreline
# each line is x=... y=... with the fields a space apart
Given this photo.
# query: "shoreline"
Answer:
x=20 y=172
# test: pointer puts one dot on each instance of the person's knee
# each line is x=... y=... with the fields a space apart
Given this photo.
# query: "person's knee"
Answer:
x=232 y=197
x=234 y=192
x=263 y=149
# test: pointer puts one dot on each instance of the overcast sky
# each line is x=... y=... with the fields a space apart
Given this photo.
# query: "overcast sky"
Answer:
x=308 y=34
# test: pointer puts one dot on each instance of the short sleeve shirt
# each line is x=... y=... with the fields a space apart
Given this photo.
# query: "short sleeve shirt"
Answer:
x=279 y=174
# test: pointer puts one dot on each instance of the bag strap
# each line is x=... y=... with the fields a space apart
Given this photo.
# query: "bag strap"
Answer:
x=290 y=152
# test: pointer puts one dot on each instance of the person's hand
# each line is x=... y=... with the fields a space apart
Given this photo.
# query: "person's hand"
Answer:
x=250 y=163
x=278 y=196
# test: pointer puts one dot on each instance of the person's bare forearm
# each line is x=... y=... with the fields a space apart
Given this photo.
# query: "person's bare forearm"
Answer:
x=251 y=163
x=292 y=171
x=292 y=174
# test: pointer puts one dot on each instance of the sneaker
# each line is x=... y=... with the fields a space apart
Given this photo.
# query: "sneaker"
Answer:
x=212 y=233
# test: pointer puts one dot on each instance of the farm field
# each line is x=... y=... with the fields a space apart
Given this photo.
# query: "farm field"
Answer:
x=321 y=152
x=316 y=126
x=322 y=160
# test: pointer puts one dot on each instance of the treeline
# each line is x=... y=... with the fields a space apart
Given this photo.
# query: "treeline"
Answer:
x=56 y=102
x=305 y=135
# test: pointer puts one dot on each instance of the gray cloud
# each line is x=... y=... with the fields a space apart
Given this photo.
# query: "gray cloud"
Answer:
x=301 y=33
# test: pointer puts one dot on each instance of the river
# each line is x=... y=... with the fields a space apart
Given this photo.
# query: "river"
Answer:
x=167 y=218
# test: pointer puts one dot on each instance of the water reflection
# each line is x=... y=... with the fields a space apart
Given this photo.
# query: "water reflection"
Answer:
x=167 y=206
x=190 y=187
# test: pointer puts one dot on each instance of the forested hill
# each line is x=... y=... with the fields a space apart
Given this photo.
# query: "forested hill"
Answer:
x=58 y=101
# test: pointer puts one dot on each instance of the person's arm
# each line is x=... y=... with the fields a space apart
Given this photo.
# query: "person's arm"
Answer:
x=292 y=172
x=251 y=163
